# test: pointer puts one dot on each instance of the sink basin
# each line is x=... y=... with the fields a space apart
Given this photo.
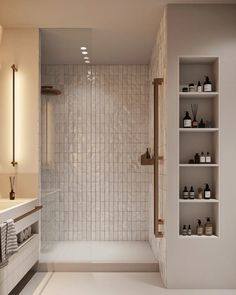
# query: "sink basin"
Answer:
x=15 y=208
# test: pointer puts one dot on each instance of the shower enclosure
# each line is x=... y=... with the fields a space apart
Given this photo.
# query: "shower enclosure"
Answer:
x=95 y=193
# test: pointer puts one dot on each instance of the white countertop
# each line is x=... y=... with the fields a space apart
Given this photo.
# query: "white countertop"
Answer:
x=15 y=208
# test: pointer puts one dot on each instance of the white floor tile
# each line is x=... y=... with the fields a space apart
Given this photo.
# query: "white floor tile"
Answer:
x=106 y=284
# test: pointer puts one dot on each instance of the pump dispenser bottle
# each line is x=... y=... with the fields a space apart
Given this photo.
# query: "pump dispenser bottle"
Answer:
x=208 y=227
x=199 y=229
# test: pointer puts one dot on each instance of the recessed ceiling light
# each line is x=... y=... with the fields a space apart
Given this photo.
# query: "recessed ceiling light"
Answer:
x=87 y=61
x=83 y=48
x=86 y=57
x=84 y=52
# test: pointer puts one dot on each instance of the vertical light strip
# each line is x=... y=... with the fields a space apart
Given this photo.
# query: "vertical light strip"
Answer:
x=14 y=70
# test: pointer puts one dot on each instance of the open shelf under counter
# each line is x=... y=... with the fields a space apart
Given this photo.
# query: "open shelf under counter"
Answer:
x=198 y=165
x=198 y=130
x=33 y=236
x=198 y=237
x=198 y=94
x=198 y=201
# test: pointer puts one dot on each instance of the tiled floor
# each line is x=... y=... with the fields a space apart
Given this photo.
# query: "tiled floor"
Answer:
x=97 y=252
x=106 y=284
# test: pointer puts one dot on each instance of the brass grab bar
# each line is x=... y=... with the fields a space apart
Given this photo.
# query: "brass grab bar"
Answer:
x=37 y=208
x=157 y=220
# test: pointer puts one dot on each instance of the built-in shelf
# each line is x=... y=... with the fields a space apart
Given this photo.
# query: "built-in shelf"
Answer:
x=198 y=237
x=20 y=245
x=198 y=165
x=198 y=94
x=198 y=129
x=198 y=140
x=199 y=201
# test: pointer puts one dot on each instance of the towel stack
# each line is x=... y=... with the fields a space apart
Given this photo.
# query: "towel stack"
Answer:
x=3 y=244
x=8 y=241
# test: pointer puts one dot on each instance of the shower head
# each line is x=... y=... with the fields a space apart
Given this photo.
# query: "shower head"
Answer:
x=48 y=90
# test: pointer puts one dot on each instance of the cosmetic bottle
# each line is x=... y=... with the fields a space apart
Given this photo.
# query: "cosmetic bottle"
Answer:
x=191 y=88
x=199 y=87
x=208 y=158
x=148 y=156
x=197 y=158
x=184 y=231
x=200 y=193
x=207 y=192
x=191 y=193
x=207 y=86
x=202 y=158
x=189 y=230
x=199 y=229
x=208 y=227
x=201 y=124
x=185 y=193
x=187 y=120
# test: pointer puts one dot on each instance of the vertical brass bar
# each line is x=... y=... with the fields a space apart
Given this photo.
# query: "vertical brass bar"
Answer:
x=157 y=220
x=14 y=163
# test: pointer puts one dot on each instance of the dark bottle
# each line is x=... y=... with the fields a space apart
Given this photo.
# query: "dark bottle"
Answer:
x=197 y=158
x=199 y=87
x=148 y=156
x=191 y=193
x=187 y=121
x=184 y=231
x=185 y=193
x=207 y=192
x=207 y=86
x=189 y=230
x=201 y=124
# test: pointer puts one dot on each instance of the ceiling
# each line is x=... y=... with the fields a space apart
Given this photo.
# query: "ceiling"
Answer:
x=120 y=31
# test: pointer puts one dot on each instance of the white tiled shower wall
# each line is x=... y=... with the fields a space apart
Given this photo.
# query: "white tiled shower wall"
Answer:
x=97 y=130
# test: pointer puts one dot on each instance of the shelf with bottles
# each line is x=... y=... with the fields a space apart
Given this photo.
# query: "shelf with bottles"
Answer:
x=198 y=179
x=192 y=213
x=194 y=70
x=197 y=114
x=203 y=149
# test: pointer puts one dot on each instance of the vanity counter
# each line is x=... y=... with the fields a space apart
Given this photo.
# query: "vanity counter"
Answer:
x=15 y=208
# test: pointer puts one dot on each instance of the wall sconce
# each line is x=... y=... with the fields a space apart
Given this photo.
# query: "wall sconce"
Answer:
x=14 y=70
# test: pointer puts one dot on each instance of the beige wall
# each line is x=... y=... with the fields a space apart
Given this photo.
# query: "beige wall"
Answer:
x=203 y=30
x=20 y=47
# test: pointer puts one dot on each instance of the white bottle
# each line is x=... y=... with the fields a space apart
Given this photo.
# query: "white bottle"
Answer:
x=208 y=158
x=202 y=158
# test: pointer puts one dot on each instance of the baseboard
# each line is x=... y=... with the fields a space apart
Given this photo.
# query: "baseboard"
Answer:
x=98 y=267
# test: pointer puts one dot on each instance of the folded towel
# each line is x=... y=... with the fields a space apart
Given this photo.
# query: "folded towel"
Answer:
x=11 y=246
x=3 y=243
